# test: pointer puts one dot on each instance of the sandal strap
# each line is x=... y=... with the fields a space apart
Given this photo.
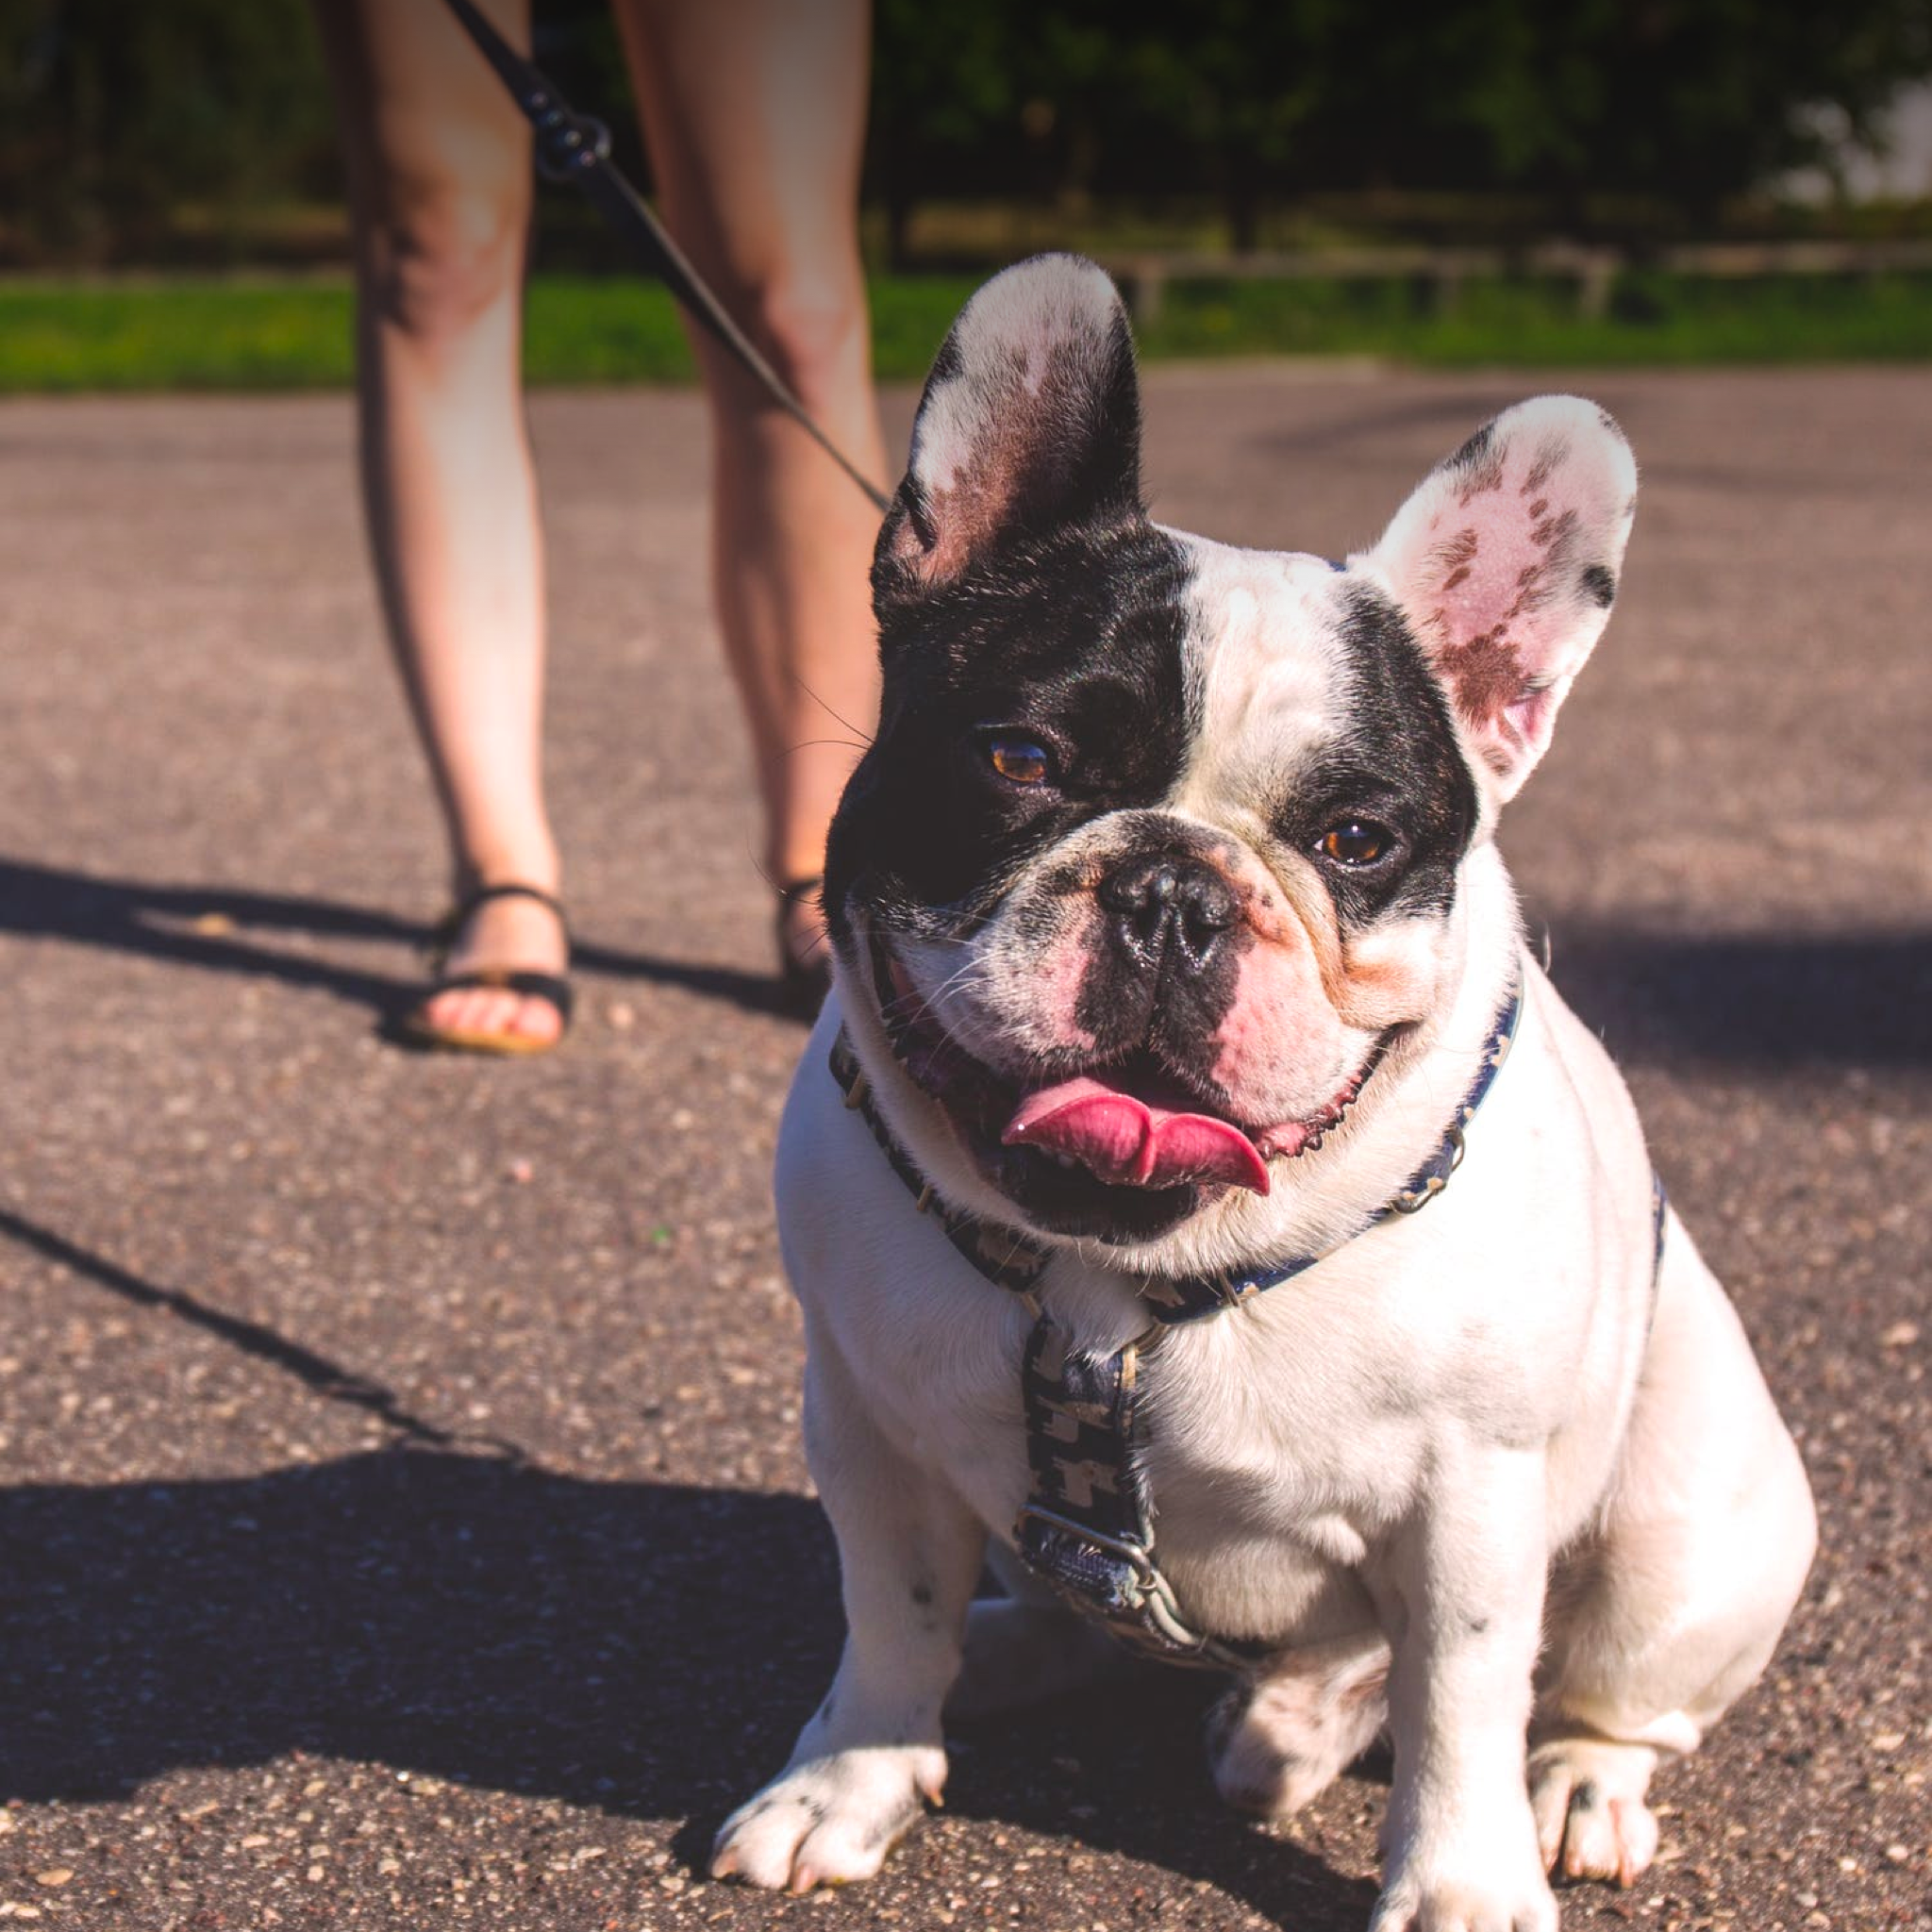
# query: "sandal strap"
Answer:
x=458 y=915
x=511 y=889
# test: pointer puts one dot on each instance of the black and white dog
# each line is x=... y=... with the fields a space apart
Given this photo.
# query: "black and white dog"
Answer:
x=1173 y=954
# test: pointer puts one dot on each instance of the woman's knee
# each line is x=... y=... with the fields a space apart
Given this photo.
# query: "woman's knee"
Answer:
x=812 y=328
x=438 y=252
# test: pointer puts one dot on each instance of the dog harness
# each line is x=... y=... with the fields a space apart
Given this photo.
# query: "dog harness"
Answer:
x=1087 y=1526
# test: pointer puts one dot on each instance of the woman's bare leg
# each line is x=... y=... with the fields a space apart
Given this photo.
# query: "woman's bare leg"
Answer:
x=754 y=112
x=438 y=165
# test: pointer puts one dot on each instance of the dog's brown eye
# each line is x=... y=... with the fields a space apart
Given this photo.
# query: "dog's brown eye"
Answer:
x=1355 y=841
x=1018 y=760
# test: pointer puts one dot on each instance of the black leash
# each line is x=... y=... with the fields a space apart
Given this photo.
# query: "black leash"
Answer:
x=575 y=148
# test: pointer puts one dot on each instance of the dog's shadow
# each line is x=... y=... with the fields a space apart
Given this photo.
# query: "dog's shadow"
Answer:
x=647 y=1649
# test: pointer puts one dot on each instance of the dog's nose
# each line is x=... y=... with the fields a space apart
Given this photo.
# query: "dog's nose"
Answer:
x=1164 y=904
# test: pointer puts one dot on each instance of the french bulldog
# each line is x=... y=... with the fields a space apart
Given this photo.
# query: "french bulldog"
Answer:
x=1172 y=946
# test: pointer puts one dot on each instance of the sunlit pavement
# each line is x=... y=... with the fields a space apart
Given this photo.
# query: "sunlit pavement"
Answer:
x=404 y=1522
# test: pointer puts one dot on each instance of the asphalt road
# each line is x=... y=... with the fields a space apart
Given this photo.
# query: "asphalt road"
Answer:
x=402 y=1520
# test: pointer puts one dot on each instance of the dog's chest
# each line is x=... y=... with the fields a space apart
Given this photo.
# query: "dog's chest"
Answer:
x=1264 y=1470
x=1270 y=1474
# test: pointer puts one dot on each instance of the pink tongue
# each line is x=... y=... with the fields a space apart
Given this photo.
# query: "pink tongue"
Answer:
x=1128 y=1143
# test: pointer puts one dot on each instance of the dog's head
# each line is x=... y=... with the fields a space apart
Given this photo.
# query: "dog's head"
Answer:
x=1157 y=847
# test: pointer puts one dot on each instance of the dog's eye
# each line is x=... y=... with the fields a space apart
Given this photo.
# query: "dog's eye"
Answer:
x=1355 y=841
x=1017 y=759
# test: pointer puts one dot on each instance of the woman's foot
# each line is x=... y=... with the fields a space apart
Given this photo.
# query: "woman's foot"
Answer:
x=513 y=931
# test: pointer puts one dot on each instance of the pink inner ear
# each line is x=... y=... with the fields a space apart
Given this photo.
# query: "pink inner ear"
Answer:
x=960 y=520
x=1504 y=562
x=991 y=443
x=1500 y=582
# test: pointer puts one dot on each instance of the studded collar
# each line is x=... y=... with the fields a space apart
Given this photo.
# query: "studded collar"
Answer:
x=1015 y=1262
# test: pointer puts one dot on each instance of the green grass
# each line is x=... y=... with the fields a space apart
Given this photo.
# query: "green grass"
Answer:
x=245 y=335
x=1652 y=319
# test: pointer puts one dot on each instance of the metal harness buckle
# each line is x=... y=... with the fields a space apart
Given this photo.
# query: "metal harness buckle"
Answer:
x=1135 y=1555
x=1152 y=1595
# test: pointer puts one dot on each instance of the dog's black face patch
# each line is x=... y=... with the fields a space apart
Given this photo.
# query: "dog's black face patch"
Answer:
x=1074 y=643
x=1394 y=763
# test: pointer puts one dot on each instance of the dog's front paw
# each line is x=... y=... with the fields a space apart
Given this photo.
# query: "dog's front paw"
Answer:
x=1470 y=1887
x=829 y=1819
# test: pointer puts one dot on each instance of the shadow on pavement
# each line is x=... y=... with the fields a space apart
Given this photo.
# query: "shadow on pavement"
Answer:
x=206 y=927
x=645 y=1648
x=1838 y=999
x=1759 y=1001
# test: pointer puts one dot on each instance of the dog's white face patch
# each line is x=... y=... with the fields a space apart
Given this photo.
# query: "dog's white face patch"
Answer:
x=1268 y=675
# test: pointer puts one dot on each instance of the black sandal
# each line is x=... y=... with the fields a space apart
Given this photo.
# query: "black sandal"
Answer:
x=803 y=984
x=414 y=1027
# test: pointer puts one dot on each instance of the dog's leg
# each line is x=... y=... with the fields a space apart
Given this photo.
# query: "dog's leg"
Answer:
x=1029 y=1645
x=1278 y=1742
x=1672 y=1610
x=909 y=1556
x=1464 y=1609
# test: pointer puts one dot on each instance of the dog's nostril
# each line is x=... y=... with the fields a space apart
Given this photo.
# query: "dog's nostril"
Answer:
x=1139 y=888
x=1159 y=899
x=1208 y=903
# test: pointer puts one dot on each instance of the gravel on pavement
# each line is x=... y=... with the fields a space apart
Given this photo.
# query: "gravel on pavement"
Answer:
x=402 y=1514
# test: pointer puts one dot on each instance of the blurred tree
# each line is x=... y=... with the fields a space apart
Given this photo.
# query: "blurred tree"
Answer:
x=114 y=119
x=1227 y=100
x=946 y=105
x=111 y=116
x=1684 y=103
x=1680 y=103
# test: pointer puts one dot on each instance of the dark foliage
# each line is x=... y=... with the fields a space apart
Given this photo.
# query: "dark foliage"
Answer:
x=115 y=120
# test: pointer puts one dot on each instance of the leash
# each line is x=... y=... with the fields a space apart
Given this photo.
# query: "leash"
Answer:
x=575 y=148
x=1087 y=1526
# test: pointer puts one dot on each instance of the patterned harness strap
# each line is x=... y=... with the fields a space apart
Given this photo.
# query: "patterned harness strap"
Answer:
x=1087 y=1526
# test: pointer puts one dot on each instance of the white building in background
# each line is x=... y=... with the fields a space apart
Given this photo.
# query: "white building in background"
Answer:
x=1899 y=170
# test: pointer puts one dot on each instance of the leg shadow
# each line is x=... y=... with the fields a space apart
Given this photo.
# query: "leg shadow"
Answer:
x=219 y=930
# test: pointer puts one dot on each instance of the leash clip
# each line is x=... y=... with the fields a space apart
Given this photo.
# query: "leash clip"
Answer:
x=567 y=144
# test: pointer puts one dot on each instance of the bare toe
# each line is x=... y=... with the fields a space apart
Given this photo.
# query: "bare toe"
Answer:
x=511 y=933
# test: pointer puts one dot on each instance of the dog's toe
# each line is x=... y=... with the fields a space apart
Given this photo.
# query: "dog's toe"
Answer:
x=1592 y=1820
x=829 y=1821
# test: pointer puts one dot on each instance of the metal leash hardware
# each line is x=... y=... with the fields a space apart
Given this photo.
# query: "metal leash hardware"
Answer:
x=575 y=148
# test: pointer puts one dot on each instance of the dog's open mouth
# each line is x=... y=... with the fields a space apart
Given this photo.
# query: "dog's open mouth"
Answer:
x=1127 y=1132
x=1128 y=1144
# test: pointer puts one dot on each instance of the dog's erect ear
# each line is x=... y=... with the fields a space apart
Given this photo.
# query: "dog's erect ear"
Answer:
x=1030 y=421
x=1504 y=562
